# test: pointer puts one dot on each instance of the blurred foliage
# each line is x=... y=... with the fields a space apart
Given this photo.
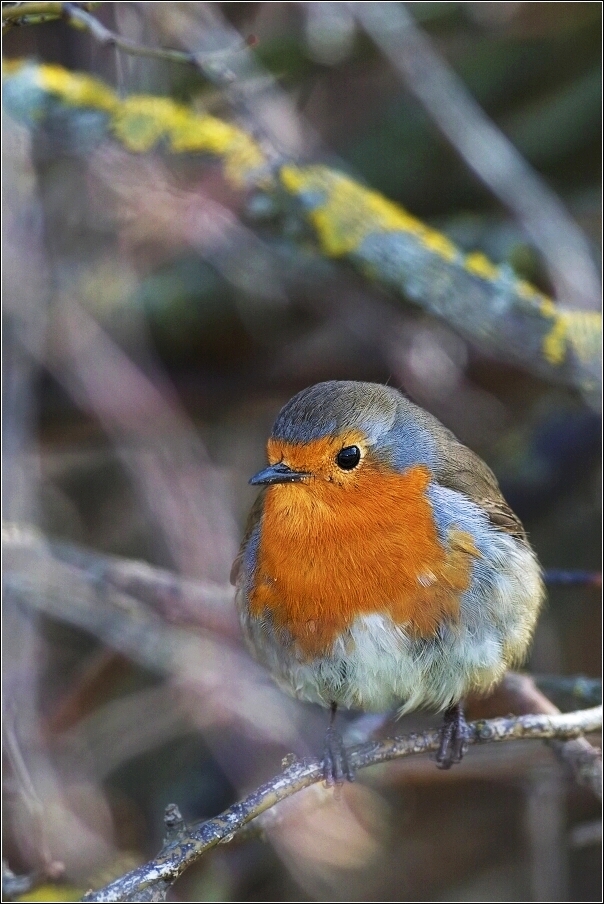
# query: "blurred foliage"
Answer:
x=225 y=326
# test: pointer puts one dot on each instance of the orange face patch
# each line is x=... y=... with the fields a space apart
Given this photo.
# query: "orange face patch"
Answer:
x=318 y=457
x=342 y=544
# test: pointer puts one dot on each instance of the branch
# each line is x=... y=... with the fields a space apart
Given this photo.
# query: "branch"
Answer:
x=486 y=150
x=78 y=15
x=503 y=315
x=180 y=853
x=110 y=579
x=579 y=687
x=22 y=13
x=573 y=577
x=519 y=694
x=226 y=682
x=37 y=13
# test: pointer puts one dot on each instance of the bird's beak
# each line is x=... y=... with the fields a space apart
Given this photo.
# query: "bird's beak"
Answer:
x=279 y=473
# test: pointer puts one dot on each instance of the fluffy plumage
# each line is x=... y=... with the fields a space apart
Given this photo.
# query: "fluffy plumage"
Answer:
x=405 y=581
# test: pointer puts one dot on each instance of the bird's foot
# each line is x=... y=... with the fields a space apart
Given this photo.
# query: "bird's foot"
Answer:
x=336 y=766
x=454 y=737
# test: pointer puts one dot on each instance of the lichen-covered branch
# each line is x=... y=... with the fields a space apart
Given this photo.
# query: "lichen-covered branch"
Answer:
x=485 y=149
x=180 y=852
x=488 y=304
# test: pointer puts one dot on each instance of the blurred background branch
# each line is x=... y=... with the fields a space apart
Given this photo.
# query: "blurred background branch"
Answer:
x=502 y=314
x=487 y=151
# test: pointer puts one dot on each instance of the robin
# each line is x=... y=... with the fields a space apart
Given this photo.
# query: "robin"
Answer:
x=381 y=566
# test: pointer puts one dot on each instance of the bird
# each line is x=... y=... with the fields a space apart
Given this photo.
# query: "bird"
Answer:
x=381 y=568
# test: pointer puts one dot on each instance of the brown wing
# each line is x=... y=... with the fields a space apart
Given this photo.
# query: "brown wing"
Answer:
x=252 y=520
x=465 y=472
x=462 y=470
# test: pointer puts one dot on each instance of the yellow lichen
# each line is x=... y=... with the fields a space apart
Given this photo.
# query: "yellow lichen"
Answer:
x=480 y=265
x=347 y=212
x=547 y=307
x=76 y=89
x=140 y=121
x=555 y=342
x=206 y=133
x=526 y=290
x=344 y=213
x=585 y=334
x=203 y=133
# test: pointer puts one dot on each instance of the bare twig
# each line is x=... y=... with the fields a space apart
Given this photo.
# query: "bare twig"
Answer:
x=36 y=13
x=582 y=760
x=268 y=113
x=572 y=577
x=223 y=679
x=180 y=600
x=519 y=694
x=75 y=15
x=78 y=15
x=23 y=12
x=179 y=854
x=583 y=690
x=486 y=150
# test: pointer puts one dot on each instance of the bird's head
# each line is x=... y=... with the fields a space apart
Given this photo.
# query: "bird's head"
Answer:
x=338 y=431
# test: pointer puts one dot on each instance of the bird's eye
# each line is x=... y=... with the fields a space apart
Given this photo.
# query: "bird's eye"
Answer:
x=348 y=457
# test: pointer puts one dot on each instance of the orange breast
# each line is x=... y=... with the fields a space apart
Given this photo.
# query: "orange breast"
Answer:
x=329 y=553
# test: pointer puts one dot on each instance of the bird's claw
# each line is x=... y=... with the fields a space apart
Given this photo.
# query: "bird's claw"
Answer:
x=335 y=764
x=454 y=737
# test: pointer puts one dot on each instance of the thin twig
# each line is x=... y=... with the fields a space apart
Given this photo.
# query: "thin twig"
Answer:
x=222 y=675
x=519 y=694
x=179 y=854
x=572 y=577
x=486 y=150
x=253 y=94
x=586 y=691
x=74 y=14
x=25 y=11
x=36 y=13
x=78 y=15
x=180 y=600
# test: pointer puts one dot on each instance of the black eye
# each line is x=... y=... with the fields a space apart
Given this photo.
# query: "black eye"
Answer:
x=348 y=458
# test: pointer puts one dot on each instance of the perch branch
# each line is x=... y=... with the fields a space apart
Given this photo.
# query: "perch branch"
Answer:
x=179 y=853
x=519 y=694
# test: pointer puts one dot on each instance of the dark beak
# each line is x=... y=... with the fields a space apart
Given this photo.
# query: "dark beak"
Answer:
x=278 y=473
